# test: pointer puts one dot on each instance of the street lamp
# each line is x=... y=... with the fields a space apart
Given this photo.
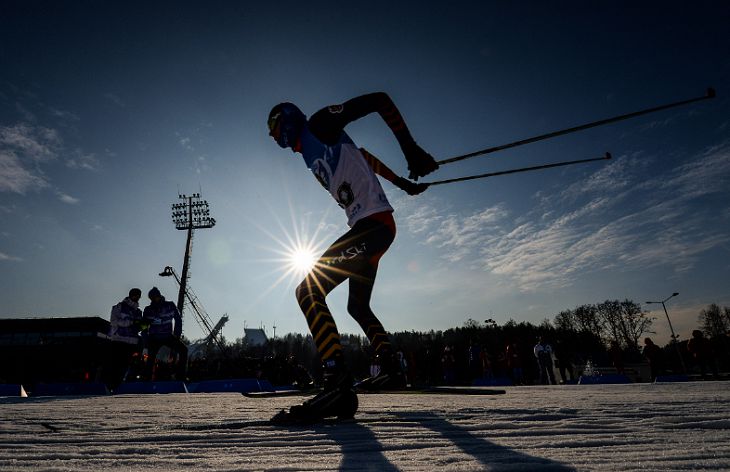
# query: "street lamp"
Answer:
x=671 y=328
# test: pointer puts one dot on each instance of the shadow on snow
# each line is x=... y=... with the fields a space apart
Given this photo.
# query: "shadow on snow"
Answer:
x=361 y=449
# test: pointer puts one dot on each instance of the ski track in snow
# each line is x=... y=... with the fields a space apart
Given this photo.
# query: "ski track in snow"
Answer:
x=597 y=427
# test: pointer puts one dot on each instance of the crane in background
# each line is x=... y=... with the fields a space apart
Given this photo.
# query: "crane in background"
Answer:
x=213 y=332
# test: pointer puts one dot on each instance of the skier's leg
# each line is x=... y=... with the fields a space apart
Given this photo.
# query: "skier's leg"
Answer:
x=353 y=256
x=311 y=295
x=331 y=269
x=379 y=238
x=338 y=398
x=358 y=305
x=344 y=259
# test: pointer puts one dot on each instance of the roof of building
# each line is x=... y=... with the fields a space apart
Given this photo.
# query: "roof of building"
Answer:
x=255 y=337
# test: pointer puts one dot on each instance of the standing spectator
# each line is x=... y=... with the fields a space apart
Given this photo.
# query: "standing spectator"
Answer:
x=125 y=324
x=165 y=329
x=616 y=355
x=403 y=364
x=701 y=351
x=514 y=363
x=564 y=359
x=486 y=364
x=448 y=361
x=655 y=356
x=375 y=367
x=544 y=354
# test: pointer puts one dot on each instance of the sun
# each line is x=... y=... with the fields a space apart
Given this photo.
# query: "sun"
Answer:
x=301 y=259
x=293 y=250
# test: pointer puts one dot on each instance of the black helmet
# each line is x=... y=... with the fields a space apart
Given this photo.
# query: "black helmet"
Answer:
x=286 y=121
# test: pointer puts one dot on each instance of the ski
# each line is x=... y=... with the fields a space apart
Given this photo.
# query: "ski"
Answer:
x=282 y=393
x=443 y=390
x=364 y=418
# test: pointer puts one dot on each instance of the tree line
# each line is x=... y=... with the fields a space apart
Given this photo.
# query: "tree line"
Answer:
x=586 y=332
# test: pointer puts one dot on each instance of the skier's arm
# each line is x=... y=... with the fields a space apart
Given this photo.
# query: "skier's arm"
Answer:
x=327 y=125
x=411 y=188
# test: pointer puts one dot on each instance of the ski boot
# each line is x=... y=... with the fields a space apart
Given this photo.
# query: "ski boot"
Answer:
x=390 y=377
x=337 y=400
x=420 y=163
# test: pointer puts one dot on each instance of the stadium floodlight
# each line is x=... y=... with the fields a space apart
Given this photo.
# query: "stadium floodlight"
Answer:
x=190 y=214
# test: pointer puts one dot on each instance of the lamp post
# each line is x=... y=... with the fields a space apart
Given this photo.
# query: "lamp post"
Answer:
x=192 y=213
x=671 y=328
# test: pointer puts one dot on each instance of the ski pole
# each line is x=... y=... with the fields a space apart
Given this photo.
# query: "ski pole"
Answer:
x=514 y=171
x=709 y=94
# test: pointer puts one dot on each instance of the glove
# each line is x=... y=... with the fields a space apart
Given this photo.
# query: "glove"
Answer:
x=420 y=163
x=411 y=188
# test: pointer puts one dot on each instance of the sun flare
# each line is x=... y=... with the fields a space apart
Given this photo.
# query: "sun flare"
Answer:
x=301 y=259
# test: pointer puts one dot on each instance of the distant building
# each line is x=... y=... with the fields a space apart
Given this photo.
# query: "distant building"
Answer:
x=255 y=337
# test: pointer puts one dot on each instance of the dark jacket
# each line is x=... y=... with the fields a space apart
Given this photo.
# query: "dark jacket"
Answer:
x=160 y=317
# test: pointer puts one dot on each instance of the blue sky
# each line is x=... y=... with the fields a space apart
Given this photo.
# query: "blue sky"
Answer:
x=109 y=110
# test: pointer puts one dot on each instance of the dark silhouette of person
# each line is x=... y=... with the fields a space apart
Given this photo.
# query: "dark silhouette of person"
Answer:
x=514 y=363
x=564 y=360
x=544 y=355
x=165 y=329
x=655 y=356
x=617 y=357
x=350 y=175
x=700 y=350
x=124 y=327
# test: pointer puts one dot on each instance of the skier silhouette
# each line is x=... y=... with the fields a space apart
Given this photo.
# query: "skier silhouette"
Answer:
x=349 y=175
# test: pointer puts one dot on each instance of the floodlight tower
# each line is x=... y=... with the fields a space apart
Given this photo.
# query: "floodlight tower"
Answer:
x=193 y=213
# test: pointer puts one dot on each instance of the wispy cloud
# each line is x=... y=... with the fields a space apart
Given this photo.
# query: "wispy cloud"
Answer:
x=82 y=160
x=6 y=257
x=33 y=142
x=17 y=178
x=64 y=115
x=26 y=150
x=65 y=198
x=614 y=219
x=184 y=142
x=23 y=148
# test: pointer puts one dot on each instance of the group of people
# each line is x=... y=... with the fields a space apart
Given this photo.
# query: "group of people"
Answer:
x=546 y=358
x=137 y=337
x=699 y=350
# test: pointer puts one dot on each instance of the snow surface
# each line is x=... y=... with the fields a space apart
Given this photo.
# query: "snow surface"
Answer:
x=598 y=427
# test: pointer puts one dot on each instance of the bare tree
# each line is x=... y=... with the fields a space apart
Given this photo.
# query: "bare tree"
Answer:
x=624 y=322
x=713 y=322
x=635 y=323
x=587 y=319
x=565 y=321
x=609 y=313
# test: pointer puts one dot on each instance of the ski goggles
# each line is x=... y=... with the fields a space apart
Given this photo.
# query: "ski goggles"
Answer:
x=273 y=121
